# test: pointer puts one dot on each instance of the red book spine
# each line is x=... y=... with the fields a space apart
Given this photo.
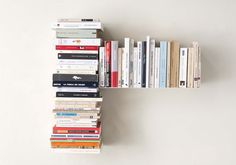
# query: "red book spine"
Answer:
x=66 y=47
x=108 y=63
x=114 y=64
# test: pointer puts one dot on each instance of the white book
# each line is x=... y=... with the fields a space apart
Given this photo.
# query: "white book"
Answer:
x=77 y=25
x=76 y=150
x=151 y=64
x=168 y=66
x=135 y=67
x=75 y=89
x=139 y=64
x=190 y=68
x=77 y=20
x=79 y=99
x=120 y=54
x=128 y=51
x=183 y=67
x=197 y=65
x=75 y=71
x=131 y=63
x=123 y=68
x=102 y=67
x=148 y=51
x=75 y=136
x=156 y=67
x=78 y=67
x=79 y=42
x=76 y=62
x=78 y=51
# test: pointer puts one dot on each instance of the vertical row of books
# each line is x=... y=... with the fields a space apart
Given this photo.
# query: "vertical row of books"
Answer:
x=78 y=100
x=150 y=64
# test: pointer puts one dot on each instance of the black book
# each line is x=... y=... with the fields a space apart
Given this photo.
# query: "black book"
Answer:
x=75 y=84
x=144 y=64
x=74 y=78
x=77 y=56
x=77 y=94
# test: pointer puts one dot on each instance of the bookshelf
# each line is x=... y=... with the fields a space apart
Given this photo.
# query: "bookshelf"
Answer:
x=86 y=64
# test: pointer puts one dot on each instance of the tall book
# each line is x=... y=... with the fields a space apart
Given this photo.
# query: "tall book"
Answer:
x=168 y=65
x=190 y=68
x=151 y=64
x=135 y=67
x=119 y=58
x=143 y=67
x=163 y=64
x=114 y=64
x=197 y=65
x=156 y=67
x=101 y=66
x=108 y=63
x=174 y=64
x=139 y=64
x=183 y=67
x=148 y=52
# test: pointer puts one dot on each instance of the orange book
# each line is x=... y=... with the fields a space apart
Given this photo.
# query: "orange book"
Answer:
x=75 y=144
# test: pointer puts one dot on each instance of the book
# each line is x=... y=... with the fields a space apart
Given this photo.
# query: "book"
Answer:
x=168 y=65
x=119 y=59
x=114 y=64
x=77 y=25
x=79 y=99
x=148 y=52
x=190 y=68
x=163 y=64
x=183 y=67
x=78 y=33
x=77 y=94
x=75 y=47
x=135 y=67
x=174 y=64
x=75 y=77
x=143 y=67
x=78 y=42
x=77 y=62
x=197 y=65
x=76 y=71
x=151 y=64
x=156 y=67
x=139 y=64
x=108 y=63
x=102 y=67
x=77 y=56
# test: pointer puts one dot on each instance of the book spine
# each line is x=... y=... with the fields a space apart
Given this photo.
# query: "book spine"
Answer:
x=131 y=64
x=151 y=64
x=102 y=67
x=183 y=67
x=168 y=66
x=156 y=67
x=75 y=84
x=78 y=42
x=88 y=52
x=126 y=63
x=135 y=67
x=163 y=64
x=174 y=64
x=77 y=25
x=69 y=47
x=144 y=44
x=77 y=62
x=139 y=64
x=80 y=90
x=197 y=65
x=73 y=71
x=76 y=56
x=190 y=68
x=114 y=63
x=76 y=94
x=108 y=63
x=120 y=54
x=148 y=51
x=75 y=77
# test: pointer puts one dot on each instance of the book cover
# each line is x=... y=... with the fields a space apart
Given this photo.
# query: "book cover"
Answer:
x=163 y=64
x=183 y=67
x=114 y=64
x=174 y=64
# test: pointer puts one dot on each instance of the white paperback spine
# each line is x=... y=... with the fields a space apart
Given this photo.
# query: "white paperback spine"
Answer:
x=79 y=42
x=102 y=66
x=148 y=47
x=168 y=66
x=120 y=54
x=156 y=67
x=151 y=64
x=183 y=67
x=139 y=64
x=135 y=67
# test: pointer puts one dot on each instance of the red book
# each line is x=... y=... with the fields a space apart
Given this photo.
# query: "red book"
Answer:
x=114 y=64
x=66 y=47
x=108 y=63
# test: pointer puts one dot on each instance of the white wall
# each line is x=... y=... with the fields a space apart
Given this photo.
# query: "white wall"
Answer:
x=141 y=126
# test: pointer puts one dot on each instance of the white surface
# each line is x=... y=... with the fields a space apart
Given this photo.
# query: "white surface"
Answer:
x=166 y=127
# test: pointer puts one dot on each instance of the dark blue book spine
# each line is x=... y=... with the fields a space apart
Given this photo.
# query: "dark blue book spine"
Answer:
x=144 y=64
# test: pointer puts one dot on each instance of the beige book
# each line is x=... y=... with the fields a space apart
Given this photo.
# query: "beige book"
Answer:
x=168 y=65
x=190 y=68
x=196 y=65
x=174 y=64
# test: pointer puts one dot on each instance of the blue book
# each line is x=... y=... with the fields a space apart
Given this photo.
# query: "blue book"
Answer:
x=163 y=64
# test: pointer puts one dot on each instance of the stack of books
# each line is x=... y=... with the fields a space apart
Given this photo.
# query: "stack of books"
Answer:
x=149 y=64
x=78 y=100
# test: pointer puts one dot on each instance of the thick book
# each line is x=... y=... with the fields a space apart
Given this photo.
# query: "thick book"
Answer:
x=108 y=63
x=144 y=44
x=78 y=42
x=163 y=64
x=75 y=47
x=78 y=56
x=183 y=67
x=174 y=64
x=114 y=64
x=197 y=65
x=75 y=77
x=77 y=94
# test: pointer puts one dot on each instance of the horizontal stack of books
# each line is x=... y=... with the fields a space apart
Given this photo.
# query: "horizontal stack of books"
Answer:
x=78 y=100
x=148 y=64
